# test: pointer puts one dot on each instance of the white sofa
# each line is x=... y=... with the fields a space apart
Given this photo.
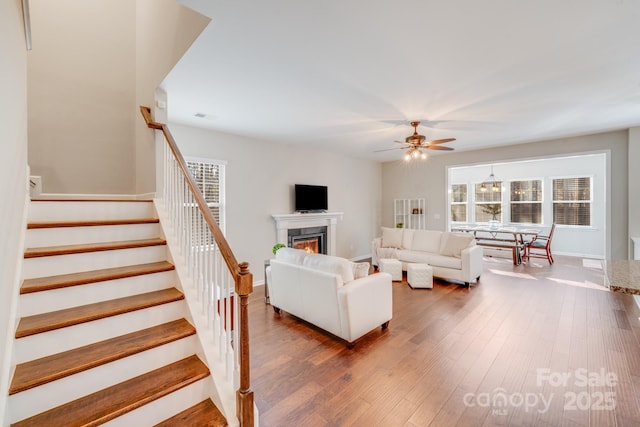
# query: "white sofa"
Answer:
x=453 y=256
x=323 y=290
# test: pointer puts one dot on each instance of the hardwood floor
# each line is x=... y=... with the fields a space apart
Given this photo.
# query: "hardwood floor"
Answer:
x=532 y=345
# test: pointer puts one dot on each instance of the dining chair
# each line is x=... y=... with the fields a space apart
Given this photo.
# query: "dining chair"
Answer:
x=539 y=247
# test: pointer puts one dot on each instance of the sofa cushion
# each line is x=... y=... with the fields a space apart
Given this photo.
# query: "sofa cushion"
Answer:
x=391 y=237
x=406 y=255
x=407 y=238
x=445 y=262
x=453 y=243
x=360 y=269
x=291 y=256
x=426 y=240
x=330 y=264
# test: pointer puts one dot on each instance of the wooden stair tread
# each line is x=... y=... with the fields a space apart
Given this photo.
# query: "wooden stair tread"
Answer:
x=44 y=322
x=111 y=402
x=39 y=284
x=50 y=368
x=60 y=224
x=91 y=247
x=204 y=414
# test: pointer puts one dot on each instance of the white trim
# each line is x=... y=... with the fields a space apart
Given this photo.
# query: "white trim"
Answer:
x=7 y=358
x=26 y=16
x=61 y=196
x=285 y=222
x=205 y=160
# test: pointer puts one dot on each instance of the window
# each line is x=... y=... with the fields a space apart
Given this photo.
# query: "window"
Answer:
x=459 y=203
x=209 y=176
x=488 y=203
x=526 y=202
x=572 y=201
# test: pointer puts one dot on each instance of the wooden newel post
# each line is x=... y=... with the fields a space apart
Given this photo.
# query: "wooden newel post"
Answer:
x=244 y=395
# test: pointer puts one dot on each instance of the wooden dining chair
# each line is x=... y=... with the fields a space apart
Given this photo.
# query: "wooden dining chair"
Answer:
x=539 y=247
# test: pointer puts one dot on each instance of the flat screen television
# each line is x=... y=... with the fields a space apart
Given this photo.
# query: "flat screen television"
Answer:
x=310 y=198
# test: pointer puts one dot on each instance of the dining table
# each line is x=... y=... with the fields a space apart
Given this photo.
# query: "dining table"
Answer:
x=511 y=238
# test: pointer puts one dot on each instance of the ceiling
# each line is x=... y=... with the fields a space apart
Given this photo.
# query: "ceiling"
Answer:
x=348 y=76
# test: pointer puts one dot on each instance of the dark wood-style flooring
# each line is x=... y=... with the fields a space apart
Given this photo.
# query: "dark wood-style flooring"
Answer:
x=530 y=345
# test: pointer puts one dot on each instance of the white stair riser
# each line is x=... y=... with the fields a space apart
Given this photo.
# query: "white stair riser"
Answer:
x=44 y=237
x=73 y=296
x=165 y=407
x=74 y=263
x=56 y=341
x=47 y=396
x=87 y=211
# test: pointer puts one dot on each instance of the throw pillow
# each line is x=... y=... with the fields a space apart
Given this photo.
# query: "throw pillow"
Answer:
x=426 y=241
x=391 y=237
x=360 y=269
x=407 y=238
x=454 y=243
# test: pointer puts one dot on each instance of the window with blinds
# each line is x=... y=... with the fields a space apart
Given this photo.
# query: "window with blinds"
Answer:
x=209 y=176
x=572 y=201
x=526 y=202
x=488 y=204
x=459 y=203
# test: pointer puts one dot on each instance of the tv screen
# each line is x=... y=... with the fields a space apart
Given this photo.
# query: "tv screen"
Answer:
x=310 y=198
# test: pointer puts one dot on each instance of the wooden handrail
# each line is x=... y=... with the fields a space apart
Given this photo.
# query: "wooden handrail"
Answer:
x=243 y=279
x=222 y=243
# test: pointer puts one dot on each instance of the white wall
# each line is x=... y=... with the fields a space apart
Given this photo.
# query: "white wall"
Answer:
x=164 y=31
x=13 y=176
x=568 y=240
x=93 y=63
x=82 y=95
x=429 y=179
x=259 y=179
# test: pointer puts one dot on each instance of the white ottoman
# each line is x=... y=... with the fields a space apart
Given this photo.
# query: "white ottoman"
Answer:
x=420 y=276
x=393 y=267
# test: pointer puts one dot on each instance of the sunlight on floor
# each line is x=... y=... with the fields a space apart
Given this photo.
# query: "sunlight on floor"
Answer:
x=592 y=263
x=585 y=284
x=512 y=274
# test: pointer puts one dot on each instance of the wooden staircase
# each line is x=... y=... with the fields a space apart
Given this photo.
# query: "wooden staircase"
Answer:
x=104 y=334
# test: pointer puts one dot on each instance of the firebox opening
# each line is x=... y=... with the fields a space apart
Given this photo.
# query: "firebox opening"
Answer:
x=311 y=239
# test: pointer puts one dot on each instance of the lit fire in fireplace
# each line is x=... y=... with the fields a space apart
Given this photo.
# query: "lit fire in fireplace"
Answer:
x=309 y=245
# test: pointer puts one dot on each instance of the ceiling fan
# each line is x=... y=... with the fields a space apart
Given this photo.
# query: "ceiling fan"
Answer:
x=414 y=144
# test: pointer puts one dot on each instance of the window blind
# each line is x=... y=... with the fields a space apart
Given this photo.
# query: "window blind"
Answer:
x=572 y=201
x=526 y=202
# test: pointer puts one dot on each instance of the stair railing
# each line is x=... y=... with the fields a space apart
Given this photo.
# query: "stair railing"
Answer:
x=205 y=249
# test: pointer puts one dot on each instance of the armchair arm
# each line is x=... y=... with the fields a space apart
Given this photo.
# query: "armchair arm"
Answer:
x=471 y=263
x=375 y=245
x=365 y=304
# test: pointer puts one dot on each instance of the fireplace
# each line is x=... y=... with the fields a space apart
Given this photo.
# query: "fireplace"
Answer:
x=288 y=224
x=310 y=239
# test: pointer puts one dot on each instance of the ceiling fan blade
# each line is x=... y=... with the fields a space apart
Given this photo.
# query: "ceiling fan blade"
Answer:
x=402 y=142
x=440 y=141
x=389 y=149
x=438 y=147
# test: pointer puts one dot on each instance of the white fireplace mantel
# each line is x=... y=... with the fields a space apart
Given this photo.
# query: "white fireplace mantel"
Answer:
x=285 y=222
